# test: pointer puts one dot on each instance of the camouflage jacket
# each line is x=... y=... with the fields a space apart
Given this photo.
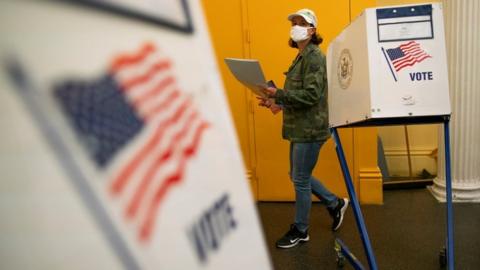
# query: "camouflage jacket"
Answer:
x=304 y=98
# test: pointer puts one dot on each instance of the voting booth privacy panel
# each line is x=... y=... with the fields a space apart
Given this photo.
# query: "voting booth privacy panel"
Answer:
x=390 y=62
x=139 y=166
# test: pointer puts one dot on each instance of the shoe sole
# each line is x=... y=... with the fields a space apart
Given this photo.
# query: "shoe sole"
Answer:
x=295 y=243
x=342 y=212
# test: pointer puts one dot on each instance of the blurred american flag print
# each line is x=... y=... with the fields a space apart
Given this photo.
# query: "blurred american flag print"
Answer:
x=136 y=99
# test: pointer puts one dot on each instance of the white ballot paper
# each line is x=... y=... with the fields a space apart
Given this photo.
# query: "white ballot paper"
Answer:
x=249 y=73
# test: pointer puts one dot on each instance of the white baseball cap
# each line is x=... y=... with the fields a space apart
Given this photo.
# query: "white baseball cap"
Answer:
x=307 y=14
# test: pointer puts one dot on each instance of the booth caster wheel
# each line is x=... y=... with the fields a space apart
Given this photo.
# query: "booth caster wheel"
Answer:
x=340 y=260
x=443 y=257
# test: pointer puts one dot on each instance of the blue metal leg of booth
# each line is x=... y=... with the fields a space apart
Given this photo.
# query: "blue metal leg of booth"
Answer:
x=448 y=182
x=354 y=203
x=344 y=252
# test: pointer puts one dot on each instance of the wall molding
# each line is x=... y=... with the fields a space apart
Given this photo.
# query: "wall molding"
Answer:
x=370 y=185
x=417 y=151
x=370 y=174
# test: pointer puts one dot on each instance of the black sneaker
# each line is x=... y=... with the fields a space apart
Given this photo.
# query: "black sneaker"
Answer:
x=292 y=238
x=338 y=212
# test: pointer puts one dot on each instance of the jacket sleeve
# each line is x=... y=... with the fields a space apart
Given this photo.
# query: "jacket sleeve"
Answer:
x=313 y=83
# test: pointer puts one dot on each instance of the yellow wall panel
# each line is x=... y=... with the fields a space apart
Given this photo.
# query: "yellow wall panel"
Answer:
x=226 y=21
x=357 y=7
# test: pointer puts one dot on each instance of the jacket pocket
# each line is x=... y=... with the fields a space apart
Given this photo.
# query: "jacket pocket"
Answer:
x=295 y=81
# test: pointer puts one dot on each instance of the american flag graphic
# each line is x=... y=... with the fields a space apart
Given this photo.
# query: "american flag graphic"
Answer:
x=138 y=98
x=407 y=54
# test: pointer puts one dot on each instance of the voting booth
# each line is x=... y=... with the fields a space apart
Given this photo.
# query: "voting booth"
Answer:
x=389 y=62
x=389 y=67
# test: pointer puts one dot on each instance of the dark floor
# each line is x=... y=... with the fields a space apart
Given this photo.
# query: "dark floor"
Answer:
x=406 y=232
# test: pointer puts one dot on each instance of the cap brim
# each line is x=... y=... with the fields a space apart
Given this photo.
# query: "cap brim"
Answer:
x=291 y=16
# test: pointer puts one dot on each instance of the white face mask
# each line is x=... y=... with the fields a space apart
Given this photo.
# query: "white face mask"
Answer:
x=299 y=33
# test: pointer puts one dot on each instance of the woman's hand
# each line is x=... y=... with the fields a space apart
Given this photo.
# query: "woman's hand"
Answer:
x=264 y=102
x=275 y=108
x=269 y=103
x=270 y=91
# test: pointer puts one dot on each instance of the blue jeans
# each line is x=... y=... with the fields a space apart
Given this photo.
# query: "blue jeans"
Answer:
x=303 y=157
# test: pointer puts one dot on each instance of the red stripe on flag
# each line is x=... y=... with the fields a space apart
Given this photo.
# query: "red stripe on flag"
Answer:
x=414 y=52
x=152 y=71
x=409 y=55
x=121 y=180
x=410 y=48
x=162 y=158
x=408 y=44
x=407 y=58
x=126 y=60
x=157 y=89
x=411 y=63
x=148 y=115
x=175 y=178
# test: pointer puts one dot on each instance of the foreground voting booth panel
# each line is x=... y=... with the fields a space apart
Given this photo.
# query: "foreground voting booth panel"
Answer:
x=388 y=67
x=117 y=147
